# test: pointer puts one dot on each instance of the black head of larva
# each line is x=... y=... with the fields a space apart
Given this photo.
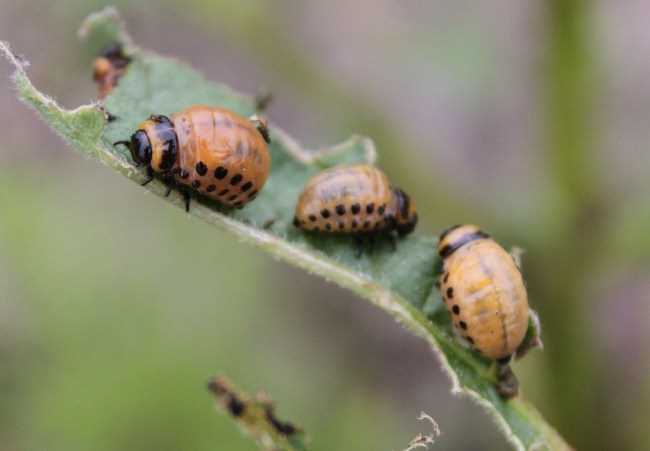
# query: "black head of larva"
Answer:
x=154 y=144
x=167 y=140
x=448 y=230
x=458 y=236
x=115 y=54
x=406 y=217
x=139 y=146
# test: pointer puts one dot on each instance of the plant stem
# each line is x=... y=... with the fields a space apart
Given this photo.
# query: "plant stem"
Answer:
x=574 y=219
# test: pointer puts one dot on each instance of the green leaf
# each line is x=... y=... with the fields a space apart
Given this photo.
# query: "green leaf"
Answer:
x=401 y=282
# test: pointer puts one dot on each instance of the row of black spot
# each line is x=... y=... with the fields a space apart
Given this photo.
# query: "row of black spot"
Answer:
x=313 y=218
x=354 y=224
x=449 y=295
x=354 y=208
x=219 y=173
x=341 y=225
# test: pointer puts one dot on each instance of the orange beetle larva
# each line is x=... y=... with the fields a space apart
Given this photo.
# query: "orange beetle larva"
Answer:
x=485 y=294
x=208 y=150
x=108 y=68
x=356 y=199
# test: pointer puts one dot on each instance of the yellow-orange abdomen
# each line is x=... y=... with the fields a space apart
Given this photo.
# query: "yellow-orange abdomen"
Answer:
x=346 y=199
x=220 y=154
x=484 y=291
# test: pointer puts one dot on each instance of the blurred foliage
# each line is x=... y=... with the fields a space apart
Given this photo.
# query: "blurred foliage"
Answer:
x=116 y=348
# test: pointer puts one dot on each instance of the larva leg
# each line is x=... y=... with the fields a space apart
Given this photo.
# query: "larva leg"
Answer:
x=507 y=383
x=168 y=180
x=359 y=245
x=262 y=126
x=149 y=176
x=187 y=197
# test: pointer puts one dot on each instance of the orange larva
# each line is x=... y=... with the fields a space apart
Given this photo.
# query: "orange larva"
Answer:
x=207 y=150
x=485 y=294
x=356 y=199
x=484 y=291
x=108 y=68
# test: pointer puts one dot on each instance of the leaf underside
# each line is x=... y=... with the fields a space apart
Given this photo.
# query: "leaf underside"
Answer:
x=399 y=281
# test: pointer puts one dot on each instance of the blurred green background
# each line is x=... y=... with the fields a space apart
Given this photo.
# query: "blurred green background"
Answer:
x=529 y=118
